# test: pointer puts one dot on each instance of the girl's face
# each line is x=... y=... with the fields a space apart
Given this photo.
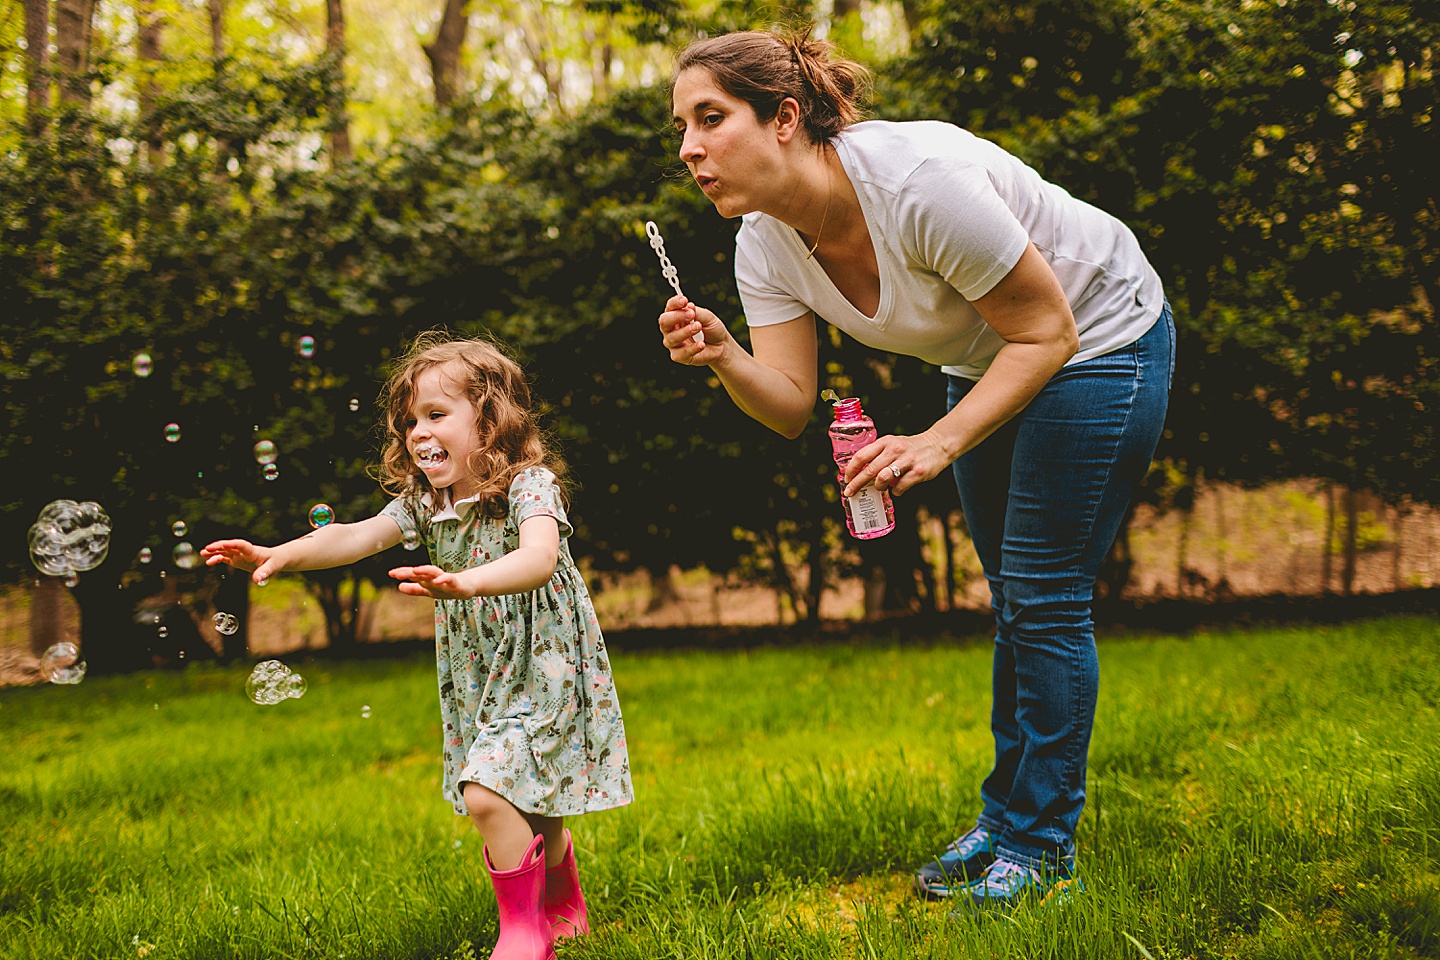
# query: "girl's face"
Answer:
x=734 y=157
x=441 y=433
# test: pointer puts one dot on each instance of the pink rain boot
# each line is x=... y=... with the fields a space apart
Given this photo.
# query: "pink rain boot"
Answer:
x=564 y=903
x=520 y=894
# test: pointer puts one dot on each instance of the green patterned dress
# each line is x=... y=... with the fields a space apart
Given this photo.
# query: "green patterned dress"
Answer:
x=526 y=698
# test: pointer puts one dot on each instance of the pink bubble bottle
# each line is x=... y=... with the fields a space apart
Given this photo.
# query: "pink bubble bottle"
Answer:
x=868 y=514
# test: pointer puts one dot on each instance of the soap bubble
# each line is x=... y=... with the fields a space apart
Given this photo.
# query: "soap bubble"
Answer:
x=172 y=432
x=62 y=664
x=141 y=365
x=271 y=471
x=185 y=556
x=271 y=681
x=265 y=452
x=68 y=537
x=145 y=554
x=162 y=631
x=178 y=528
x=320 y=515
x=412 y=541
x=365 y=711
x=354 y=404
x=226 y=623
x=305 y=346
x=73 y=580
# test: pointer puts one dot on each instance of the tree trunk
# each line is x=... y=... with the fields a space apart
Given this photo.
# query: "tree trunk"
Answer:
x=1325 y=541
x=47 y=615
x=1182 y=550
x=947 y=562
x=1119 y=562
x=335 y=47
x=37 y=63
x=445 y=51
x=1397 y=539
x=150 y=24
x=1347 y=574
x=74 y=20
x=216 y=9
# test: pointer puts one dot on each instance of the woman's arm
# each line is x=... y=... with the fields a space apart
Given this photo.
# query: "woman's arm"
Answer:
x=1029 y=310
x=776 y=385
x=333 y=545
x=528 y=567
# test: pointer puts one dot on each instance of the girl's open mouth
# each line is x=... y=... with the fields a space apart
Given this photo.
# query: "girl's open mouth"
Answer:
x=430 y=456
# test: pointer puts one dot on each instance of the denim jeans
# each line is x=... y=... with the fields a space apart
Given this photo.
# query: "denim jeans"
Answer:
x=1044 y=497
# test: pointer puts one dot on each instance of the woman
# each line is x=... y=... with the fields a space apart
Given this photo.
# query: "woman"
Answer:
x=1053 y=330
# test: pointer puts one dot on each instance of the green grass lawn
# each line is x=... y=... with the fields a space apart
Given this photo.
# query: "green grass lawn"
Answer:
x=1268 y=794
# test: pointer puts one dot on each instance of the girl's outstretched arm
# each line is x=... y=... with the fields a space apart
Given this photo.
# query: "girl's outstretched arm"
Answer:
x=528 y=567
x=333 y=545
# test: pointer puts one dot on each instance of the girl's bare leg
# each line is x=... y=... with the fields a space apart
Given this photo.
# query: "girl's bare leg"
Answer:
x=508 y=831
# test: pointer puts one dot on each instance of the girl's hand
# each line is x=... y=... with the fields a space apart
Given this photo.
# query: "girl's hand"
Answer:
x=917 y=459
x=678 y=326
x=243 y=555
x=430 y=581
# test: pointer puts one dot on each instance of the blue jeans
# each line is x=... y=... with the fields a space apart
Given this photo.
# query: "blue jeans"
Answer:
x=1044 y=497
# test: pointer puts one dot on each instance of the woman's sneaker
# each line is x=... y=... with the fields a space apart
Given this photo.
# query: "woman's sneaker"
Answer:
x=962 y=863
x=1006 y=883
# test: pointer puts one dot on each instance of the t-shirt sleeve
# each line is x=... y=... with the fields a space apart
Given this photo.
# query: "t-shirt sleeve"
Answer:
x=535 y=493
x=401 y=511
x=957 y=225
x=765 y=302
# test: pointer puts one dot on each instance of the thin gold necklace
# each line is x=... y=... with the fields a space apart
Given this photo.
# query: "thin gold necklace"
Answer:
x=829 y=195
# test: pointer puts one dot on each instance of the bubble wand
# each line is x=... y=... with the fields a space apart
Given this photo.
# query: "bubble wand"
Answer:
x=667 y=269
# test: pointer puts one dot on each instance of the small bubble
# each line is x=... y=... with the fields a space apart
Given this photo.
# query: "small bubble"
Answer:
x=185 y=556
x=182 y=654
x=262 y=581
x=294 y=686
x=457 y=844
x=178 y=528
x=226 y=623
x=172 y=432
x=271 y=471
x=365 y=711
x=412 y=541
x=141 y=365
x=265 y=452
x=164 y=631
x=72 y=581
x=305 y=346
x=320 y=515
x=162 y=574
x=354 y=404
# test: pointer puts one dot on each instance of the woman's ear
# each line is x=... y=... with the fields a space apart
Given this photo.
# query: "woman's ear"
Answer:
x=787 y=120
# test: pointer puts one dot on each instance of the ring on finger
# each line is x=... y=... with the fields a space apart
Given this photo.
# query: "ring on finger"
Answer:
x=895 y=471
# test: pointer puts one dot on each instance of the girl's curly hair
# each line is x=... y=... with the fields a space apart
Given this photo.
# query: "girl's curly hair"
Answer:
x=505 y=421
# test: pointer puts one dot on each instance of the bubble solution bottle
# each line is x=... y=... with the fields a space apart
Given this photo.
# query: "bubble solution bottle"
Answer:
x=868 y=514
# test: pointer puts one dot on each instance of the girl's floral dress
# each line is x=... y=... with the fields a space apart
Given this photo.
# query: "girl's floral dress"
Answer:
x=526 y=698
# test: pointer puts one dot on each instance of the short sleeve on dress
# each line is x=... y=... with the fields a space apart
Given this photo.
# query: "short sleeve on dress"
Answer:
x=535 y=493
x=401 y=511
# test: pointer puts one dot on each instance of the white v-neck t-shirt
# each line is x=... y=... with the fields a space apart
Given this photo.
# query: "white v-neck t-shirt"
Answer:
x=949 y=216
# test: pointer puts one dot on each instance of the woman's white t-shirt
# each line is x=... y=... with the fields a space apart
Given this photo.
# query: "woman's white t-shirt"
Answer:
x=949 y=216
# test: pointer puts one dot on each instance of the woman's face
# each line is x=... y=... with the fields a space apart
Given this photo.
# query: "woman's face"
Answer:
x=733 y=156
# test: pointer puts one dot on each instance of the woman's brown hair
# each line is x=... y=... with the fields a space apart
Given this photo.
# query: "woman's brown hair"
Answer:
x=764 y=68
x=505 y=421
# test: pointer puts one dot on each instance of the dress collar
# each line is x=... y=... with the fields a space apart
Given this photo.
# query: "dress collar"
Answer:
x=448 y=510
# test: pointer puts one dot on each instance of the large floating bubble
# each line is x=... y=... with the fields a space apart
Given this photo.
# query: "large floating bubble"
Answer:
x=226 y=623
x=178 y=528
x=185 y=556
x=141 y=365
x=62 y=664
x=271 y=471
x=265 y=452
x=271 y=681
x=69 y=537
x=321 y=514
x=172 y=432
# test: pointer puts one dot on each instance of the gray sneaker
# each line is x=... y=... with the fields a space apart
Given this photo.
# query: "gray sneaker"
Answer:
x=963 y=863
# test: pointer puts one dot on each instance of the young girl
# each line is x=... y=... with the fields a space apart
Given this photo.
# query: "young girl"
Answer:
x=532 y=729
